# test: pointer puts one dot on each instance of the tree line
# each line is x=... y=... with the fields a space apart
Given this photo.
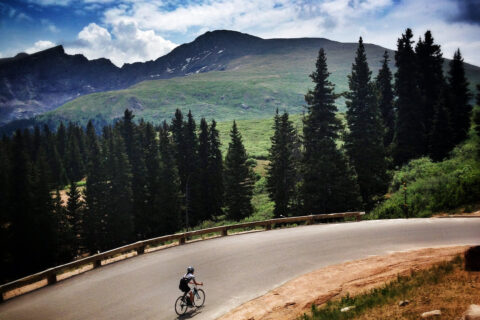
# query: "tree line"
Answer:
x=139 y=181
x=330 y=168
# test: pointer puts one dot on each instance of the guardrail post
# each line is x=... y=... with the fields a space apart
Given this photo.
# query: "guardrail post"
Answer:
x=182 y=240
x=97 y=263
x=224 y=232
x=52 y=278
x=358 y=217
x=1 y=296
x=268 y=226
x=309 y=220
x=141 y=250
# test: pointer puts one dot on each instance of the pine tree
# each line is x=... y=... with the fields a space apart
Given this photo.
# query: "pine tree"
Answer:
x=37 y=142
x=44 y=235
x=46 y=231
x=281 y=171
x=128 y=133
x=169 y=194
x=364 y=141
x=20 y=199
x=430 y=79
x=120 y=218
x=203 y=174
x=184 y=153
x=96 y=195
x=91 y=140
x=178 y=134
x=192 y=187
x=441 y=140
x=210 y=168
x=409 y=139
x=383 y=83
x=478 y=95
x=58 y=173
x=239 y=179
x=132 y=141
x=5 y=172
x=476 y=119
x=153 y=215
x=328 y=182
x=80 y=136
x=460 y=94
x=75 y=207
x=61 y=141
x=216 y=187
x=66 y=238
x=74 y=159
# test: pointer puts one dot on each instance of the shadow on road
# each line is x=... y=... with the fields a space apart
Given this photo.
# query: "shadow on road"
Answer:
x=190 y=314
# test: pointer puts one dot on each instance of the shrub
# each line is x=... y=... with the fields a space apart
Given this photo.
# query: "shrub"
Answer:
x=434 y=186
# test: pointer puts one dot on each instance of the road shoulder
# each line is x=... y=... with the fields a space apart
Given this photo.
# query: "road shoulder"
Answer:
x=296 y=296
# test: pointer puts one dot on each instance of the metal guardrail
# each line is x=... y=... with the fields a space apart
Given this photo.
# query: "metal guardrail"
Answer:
x=51 y=274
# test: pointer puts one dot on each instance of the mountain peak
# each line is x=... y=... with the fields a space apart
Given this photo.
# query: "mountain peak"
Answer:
x=57 y=50
x=20 y=55
x=221 y=37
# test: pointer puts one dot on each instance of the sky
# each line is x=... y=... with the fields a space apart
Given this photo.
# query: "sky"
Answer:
x=127 y=31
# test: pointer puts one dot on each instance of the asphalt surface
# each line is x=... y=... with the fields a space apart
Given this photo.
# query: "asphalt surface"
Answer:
x=235 y=269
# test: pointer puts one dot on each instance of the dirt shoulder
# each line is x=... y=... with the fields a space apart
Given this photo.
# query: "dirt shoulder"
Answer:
x=458 y=215
x=296 y=296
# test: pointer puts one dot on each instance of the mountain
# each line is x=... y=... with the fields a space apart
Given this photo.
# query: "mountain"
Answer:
x=33 y=84
x=222 y=74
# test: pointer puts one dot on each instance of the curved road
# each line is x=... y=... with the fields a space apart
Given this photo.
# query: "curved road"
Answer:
x=235 y=269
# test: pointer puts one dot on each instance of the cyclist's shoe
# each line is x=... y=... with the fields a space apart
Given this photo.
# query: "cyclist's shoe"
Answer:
x=189 y=303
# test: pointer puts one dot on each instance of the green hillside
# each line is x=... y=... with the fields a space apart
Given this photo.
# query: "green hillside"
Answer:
x=256 y=134
x=250 y=87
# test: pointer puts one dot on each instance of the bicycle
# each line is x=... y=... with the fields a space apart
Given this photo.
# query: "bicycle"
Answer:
x=181 y=305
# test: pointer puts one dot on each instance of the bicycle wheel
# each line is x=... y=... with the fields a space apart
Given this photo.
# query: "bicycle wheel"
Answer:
x=199 y=298
x=180 y=306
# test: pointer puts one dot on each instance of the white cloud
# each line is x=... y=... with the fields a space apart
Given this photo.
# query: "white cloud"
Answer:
x=137 y=30
x=49 y=26
x=11 y=12
x=51 y=2
x=126 y=43
x=378 y=21
x=234 y=14
x=40 y=45
x=23 y=17
x=422 y=16
x=262 y=16
x=95 y=34
x=64 y=3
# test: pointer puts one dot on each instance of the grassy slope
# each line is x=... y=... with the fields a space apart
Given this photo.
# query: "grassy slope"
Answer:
x=251 y=87
x=445 y=286
x=256 y=134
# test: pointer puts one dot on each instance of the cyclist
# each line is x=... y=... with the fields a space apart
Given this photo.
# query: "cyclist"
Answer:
x=186 y=279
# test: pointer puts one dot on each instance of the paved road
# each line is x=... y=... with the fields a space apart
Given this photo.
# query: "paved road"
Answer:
x=235 y=269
